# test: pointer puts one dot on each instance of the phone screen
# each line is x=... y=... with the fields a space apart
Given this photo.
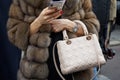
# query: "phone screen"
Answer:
x=57 y=3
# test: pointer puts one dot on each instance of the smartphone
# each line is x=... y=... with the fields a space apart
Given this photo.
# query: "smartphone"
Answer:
x=57 y=3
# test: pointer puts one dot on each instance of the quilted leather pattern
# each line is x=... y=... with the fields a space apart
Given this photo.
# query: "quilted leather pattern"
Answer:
x=81 y=54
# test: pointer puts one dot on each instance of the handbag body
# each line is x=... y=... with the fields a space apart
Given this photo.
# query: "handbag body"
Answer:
x=79 y=53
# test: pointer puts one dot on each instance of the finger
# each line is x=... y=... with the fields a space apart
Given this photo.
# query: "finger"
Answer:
x=57 y=28
x=54 y=15
x=57 y=14
x=50 y=11
x=54 y=27
x=50 y=20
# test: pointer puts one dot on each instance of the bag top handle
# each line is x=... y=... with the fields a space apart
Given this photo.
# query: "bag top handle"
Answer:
x=83 y=26
x=65 y=35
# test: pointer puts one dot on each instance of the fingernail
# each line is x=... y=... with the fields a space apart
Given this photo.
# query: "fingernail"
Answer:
x=61 y=11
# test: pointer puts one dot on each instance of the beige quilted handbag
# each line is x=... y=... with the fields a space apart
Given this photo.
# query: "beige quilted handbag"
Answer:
x=79 y=53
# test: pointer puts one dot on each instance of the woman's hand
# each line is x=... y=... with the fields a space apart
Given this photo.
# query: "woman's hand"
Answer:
x=61 y=24
x=45 y=17
x=48 y=14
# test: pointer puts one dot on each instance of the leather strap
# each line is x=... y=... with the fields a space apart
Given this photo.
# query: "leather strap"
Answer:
x=55 y=63
x=83 y=26
x=65 y=36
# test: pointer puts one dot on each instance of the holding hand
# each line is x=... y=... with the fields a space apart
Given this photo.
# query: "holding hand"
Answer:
x=45 y=17
x=49 y=14
x=61 y=24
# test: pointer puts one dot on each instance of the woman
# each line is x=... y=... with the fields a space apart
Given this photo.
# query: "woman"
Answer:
x=100 y=12
x=34 y=28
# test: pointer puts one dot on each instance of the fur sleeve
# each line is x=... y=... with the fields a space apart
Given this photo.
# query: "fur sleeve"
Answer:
x=90 y=19
x=18 y=29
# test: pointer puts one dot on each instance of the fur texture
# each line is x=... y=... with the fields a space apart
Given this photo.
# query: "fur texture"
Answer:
x=34 y=70
x=22 y=13
x=37 y=54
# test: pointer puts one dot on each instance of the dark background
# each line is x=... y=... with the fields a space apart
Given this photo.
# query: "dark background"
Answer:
x=9 y=54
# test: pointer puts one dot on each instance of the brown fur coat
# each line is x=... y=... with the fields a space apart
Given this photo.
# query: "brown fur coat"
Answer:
x=33 y=65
